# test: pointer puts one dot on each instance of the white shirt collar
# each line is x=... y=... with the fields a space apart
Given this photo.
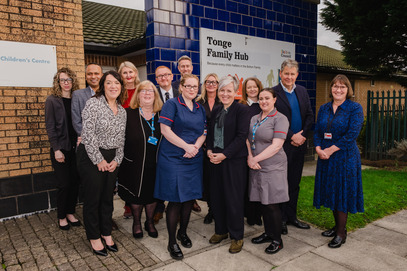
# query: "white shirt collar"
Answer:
x=171 y=92
x=250 y=102
x=286 y=90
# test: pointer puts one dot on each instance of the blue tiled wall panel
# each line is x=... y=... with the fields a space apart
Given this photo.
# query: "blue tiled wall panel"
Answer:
x=236 y=18
x=257 y=22
x=168 y=55
x=208 y=3
x=261 y=33
x=221 y=26
x=207 y=23
x=223 y=15
x=285 y=20
x=241 y=29
x=261 y=13
x=231 y=28
x=231 y=6
x=247 y=20
x=243 y=9
x=211 y=13
x=219 y=4
x=177 y=43
x=197 y=11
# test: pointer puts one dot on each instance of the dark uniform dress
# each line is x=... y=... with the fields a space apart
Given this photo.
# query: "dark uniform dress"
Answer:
x=138 y=169
x=338 y=180
x=179 y=179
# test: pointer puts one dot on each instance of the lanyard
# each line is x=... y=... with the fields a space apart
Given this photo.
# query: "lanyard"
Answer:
x=255 y=127
x=152 y=122
x=328 y=127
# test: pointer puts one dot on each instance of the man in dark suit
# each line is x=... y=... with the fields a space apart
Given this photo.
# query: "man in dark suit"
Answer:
x=164 y=77
x=293 y=101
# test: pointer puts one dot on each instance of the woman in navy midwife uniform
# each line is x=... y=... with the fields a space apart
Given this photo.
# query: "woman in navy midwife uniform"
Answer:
x=180 y=158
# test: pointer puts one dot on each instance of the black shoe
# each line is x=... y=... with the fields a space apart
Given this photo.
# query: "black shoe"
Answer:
x=112 y=248
x=329 y=233
x=74 y=224
x=336 y=242
x=274 y=247
x=138 y=235
x=102 y=252
x=264 y=238
x=64 y=228
x=208 y=218
x=298 y=224
x=175 y=252
x=284 y=229
x=153 y=234
x=185 y=241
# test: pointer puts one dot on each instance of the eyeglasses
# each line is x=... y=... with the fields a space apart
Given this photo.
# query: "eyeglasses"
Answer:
x=335 y=87
x=213 y=83
x=191 y=87
x=165 y=75
x=63 y=81
x=144 y=91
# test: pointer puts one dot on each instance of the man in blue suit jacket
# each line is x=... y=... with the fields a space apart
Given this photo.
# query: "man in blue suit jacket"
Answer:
x=81 y=96
x=293 y=101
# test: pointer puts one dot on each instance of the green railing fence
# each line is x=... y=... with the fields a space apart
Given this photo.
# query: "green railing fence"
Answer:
x=386 y=122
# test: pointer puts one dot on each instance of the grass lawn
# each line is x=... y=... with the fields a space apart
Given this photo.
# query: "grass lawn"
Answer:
x=385 y=192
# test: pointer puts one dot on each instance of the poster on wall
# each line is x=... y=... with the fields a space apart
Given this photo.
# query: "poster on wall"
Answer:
x=27 y=64
x=243 y=56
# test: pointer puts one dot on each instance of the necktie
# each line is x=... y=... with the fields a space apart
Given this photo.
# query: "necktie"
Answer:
x=167 y=96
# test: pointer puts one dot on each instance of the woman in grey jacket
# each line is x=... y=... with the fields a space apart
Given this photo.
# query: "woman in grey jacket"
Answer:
x=62 y=138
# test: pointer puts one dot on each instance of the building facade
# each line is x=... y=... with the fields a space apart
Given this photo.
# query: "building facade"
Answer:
x=171 y=29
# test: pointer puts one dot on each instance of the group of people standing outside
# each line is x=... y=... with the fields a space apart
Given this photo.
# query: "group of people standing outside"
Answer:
x=182 y=141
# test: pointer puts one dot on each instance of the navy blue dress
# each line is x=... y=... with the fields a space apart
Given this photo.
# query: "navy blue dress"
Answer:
x=338 y=180
x=179 y=179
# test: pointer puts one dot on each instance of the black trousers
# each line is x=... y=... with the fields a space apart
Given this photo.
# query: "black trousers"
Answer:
x=295 y=159
x=227 y=189
x=67 y=178
x=98 y=194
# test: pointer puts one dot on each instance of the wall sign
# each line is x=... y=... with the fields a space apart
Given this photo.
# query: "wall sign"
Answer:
x=244 y=56
x=27 y=64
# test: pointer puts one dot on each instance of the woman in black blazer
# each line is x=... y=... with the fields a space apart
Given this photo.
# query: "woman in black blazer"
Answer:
x=62 y=138
x=228 y=153
x=137 y=171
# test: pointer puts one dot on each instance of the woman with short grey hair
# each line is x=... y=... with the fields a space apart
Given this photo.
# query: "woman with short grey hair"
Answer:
x=228 y=153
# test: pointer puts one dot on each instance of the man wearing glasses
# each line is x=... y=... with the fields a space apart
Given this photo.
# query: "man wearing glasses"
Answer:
x=164 y=77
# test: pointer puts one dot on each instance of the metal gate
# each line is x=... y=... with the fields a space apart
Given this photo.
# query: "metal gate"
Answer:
x=386 y=122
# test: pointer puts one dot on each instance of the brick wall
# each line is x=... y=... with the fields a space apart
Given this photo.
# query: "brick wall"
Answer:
x=26 y=182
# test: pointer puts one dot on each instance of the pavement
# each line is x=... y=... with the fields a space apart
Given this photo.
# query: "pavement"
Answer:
x=36 y=243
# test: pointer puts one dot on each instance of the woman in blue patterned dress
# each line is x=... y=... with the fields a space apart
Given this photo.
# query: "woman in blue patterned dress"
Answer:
x=338 y=180
x=179 y=163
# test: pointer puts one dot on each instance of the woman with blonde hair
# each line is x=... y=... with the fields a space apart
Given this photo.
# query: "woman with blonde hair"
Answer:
x=210 y=101
x=62 y=138
x=138 y=170
x=129 y=74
